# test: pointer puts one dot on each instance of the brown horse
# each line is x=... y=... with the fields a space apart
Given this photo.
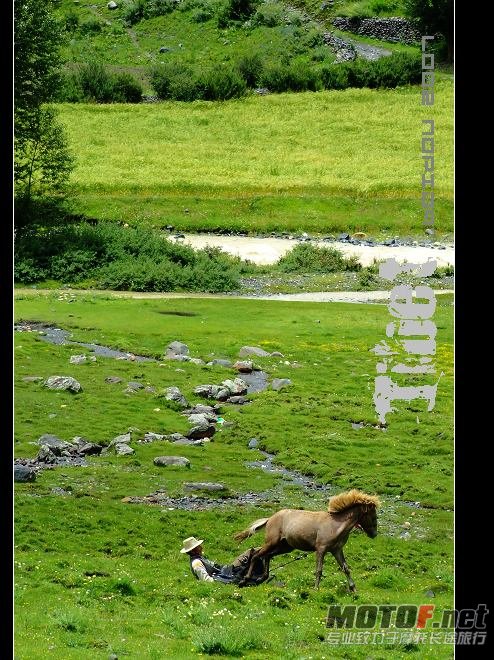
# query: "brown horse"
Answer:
x=320 y=531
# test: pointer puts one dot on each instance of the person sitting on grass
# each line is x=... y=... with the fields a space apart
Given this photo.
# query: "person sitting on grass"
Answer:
x=209 y=571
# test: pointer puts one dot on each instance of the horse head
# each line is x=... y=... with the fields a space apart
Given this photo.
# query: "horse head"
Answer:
x=367 y=520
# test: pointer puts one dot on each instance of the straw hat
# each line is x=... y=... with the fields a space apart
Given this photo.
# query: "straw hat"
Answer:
x=191 y=543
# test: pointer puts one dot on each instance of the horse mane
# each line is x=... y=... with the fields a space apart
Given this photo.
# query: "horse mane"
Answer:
x=344 y=501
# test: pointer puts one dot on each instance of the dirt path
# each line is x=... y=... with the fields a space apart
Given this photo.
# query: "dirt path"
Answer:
x=266 y=251
x=315 y=296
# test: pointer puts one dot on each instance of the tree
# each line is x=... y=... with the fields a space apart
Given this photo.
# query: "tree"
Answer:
x=42 y=161
x=434 y=16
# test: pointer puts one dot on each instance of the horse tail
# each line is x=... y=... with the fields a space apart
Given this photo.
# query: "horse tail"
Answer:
x=255 y=527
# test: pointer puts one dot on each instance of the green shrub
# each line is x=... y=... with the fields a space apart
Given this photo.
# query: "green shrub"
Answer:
x=250 y=67
x=296 y=77
x=201 y=15
x=222 y=84
x=335 y=76
x=91 y=26
x=307 y=258
x=133 y=11
x=176 y=81
x=95 y=82
x=134 y=258
x=126 y=89
x=269 y=14
x=380 y=7
x=71 y=21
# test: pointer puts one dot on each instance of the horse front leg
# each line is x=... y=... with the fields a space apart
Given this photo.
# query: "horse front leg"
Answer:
x=319 y=562
x=262 y=552
x=340 y=558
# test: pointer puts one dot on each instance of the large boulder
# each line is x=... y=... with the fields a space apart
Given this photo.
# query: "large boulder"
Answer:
x=176 y=348
x=177 y=461
x=63 y=383
x=245 y=351
x=24 y=474
x=244 y=366
x=236 y=387
x=201 y=431
x=174 y=394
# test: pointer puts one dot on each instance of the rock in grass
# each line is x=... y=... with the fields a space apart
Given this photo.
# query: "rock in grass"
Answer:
x=176 y=348
x=63 y=383
x=244 y=366
x=204 y=485
x=174 y=394
x=24 y=474
x=201 y=431
x=178 y=461
x=253 y=443
x=279 y=383
x=235 y=387
x=133 y=387
x=56 y=445
x=112 y=5
x=245 y=351
x=221 y=362
x=123 y=450
x=32 y=379
x=113 y=379
x=77 y=359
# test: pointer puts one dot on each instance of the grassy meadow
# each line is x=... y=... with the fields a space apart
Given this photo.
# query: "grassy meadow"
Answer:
x=95 y=575
x=321 y=162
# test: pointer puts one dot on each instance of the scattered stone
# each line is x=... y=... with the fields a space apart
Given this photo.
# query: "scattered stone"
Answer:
x=32 y=379
x=174 y=394
x=429 y=231
x=200 y=409
x=235 y=387
x=121 y=439
x=244 y=366
x=201 y=431
x=56 y=445
x=245 y=351
x=90 y=449
x=24 y=474
x=112 y=5
x=133 y=387
x=122 y=449
x=405 y=535
x=113 y=379
x=164 y=49
x=198 y=419
x=63 y=383
x=152 y=437
x=165 y=461
x=204 y=485
x=343 y=237
x=238 y=400
x=221 y=362
x=430 y=594
x=207 y=391
x=359 y=234
x=279 y=383
x=406 y=525
x=187 y=441
x=357 y=425
x=253 y=443
x=277 y=354
x=77 y=359
x=176 y=348
x=59 y=491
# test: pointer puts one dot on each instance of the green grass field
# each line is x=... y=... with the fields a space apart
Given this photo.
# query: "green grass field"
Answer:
x=321 y=162
x=96 y=576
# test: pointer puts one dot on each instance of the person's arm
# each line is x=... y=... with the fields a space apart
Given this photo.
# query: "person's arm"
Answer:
x=200 y=571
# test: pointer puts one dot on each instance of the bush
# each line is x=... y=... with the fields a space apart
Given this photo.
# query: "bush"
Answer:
x=296 y=77
x=335 y=76
x=126 y=89
x=92 y=82
x=71 y=21
x=110 y=256
x=306 y=258
x=176 y=81
x=222 y=84
x=268 y=14
x=387 y=72
x=133 y=11
x=250 y=67
x=91 y=26
x=201 y=15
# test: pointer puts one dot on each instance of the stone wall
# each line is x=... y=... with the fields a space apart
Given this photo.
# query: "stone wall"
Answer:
x=394 y=29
